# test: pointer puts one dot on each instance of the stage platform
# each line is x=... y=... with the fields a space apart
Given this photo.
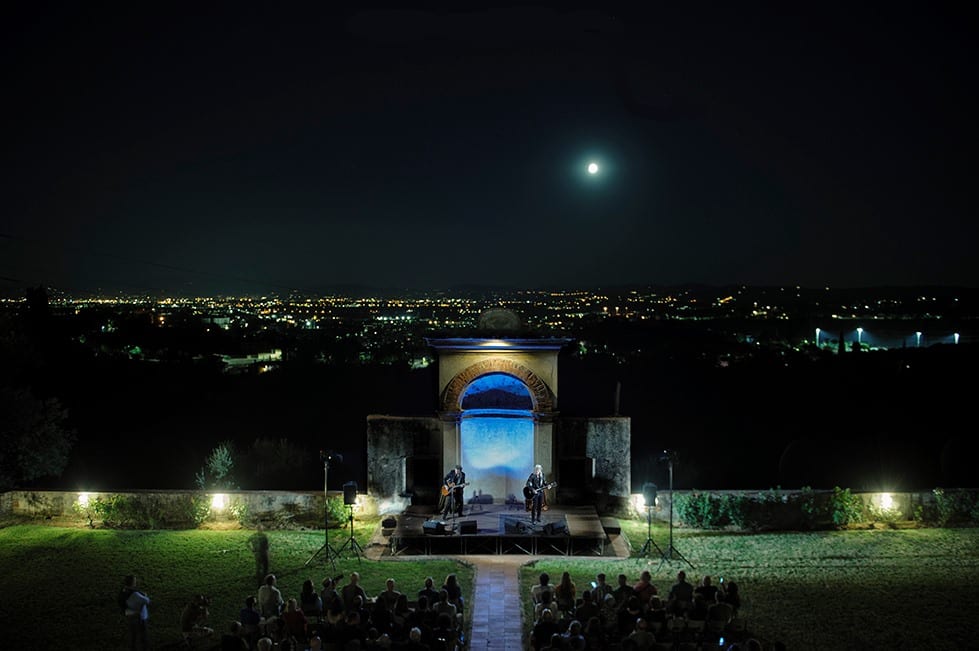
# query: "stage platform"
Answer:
x=499 y=529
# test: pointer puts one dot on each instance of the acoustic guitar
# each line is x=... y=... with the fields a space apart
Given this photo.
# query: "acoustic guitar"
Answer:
x=528 y=493
x=447 y=488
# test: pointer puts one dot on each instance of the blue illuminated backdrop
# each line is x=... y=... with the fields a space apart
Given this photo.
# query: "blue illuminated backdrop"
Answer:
x=497 y=436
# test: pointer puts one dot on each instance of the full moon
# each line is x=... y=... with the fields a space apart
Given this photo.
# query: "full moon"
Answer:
x=593 y=168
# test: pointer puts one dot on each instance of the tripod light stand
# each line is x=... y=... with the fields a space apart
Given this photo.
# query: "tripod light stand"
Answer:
x=671 y=551
x=351 y=541
x=331 y=554
x=649 y=496
x=349 y=500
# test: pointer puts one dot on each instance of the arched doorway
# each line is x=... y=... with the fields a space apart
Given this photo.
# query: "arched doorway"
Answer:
x=496 y=432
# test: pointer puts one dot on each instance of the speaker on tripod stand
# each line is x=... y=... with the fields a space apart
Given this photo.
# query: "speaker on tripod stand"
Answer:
x=649 y=498
x=350 y=500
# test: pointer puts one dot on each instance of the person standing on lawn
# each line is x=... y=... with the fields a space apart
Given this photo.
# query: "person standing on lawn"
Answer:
x=137 y=614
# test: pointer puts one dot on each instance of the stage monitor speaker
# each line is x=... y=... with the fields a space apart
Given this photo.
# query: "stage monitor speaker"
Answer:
x=389 y=522
x=467 y=526
x=511 y=525
x=649 y=493
x=434 y=527
x=350 y=493
x=555 y=529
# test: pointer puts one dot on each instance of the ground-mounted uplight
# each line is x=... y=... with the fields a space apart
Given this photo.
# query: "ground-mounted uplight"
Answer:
x=83 y=500
x=219 y=501
x=886 y=501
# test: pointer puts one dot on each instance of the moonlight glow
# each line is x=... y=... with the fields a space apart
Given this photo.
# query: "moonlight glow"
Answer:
x=593 y=168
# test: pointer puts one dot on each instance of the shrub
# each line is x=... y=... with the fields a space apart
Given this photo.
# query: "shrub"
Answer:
x=948 y=508
x=701 y=510
x=845 y=508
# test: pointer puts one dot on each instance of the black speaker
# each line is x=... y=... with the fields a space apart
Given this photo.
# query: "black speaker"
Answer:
x=649 y=493
x=512 y=525
x=433 y=527
x=555 y=529
x=467 y=526
x=350 y=493
x=389 y=523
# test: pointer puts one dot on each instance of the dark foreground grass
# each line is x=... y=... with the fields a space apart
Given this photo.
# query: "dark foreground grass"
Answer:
x=876 y=589
x=829 y=590
x=59 y=584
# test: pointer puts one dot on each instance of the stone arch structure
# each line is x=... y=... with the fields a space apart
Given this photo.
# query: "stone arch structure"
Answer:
x=541 y=395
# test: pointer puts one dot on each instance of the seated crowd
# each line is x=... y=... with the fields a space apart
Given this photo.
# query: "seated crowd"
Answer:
x=634 y=615
x=345 y=617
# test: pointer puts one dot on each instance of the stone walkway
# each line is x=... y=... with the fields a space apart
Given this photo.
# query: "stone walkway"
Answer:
x=496 y=616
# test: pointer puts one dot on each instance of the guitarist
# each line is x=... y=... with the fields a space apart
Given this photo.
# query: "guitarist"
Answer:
x=453 y=487
x=536 y=484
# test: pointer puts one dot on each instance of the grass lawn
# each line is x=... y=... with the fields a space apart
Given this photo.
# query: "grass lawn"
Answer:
x=872 y=589
x=60 y=583
x=869 y=589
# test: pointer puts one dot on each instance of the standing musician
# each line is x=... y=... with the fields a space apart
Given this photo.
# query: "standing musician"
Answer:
x=452 y=489
x=536 y=483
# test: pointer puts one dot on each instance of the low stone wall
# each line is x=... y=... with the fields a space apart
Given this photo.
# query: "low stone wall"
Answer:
x=304 y=508
x=307 y=508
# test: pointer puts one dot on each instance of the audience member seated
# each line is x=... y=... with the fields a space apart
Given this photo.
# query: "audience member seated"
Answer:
x=415 y=643
x=251 y=620
x=270 y=599
x=708 y=589
x=234 y=639
x=644 y=588
x=600 y=587
x=377 y=640
x=388 y=598
x=698 y=608
x=574 y=637
x=452 y=586
x=328 y=594
x=565 y=593
x=587 y=608
x=295 y=621
x=446 y=634
x=543 y=583
x=422 y=617
x=732 y=596
x=444 y=606
x=623 y=591
x=193 y=619
x=720 y=611
x=309 y=602
x=681 y=595
x=640 y=635
x=545 y=627
x=627 y=616
x=595 y=636
x=656 y=615
x=546 y=603
x=351 y=590
x=429 y=591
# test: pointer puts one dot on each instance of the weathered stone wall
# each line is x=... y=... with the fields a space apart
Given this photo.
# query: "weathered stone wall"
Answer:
x=392 y=441
x=607 y=443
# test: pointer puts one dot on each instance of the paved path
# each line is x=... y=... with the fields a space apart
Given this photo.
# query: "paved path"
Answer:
x=496 y=616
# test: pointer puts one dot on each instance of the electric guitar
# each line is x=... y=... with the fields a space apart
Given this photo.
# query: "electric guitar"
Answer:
x=529 y=492
x=447 y=488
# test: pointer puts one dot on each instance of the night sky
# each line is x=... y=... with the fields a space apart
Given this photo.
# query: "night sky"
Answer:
x=236 y=148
